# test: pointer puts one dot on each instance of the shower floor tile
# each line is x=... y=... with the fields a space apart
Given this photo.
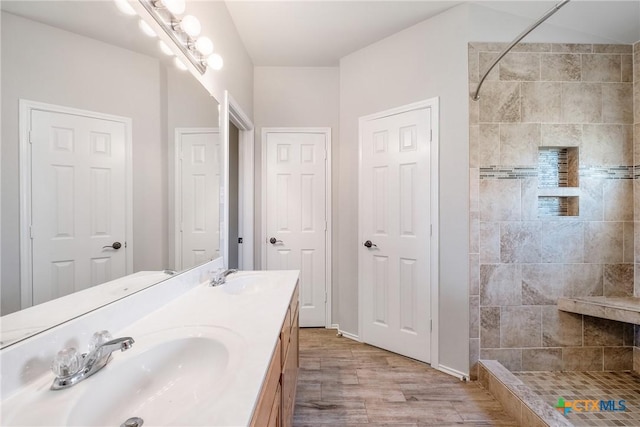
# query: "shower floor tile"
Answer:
x=616 y=386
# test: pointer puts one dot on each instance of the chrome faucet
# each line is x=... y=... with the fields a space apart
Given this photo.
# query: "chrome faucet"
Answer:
x=220 y=276
x=70 y=367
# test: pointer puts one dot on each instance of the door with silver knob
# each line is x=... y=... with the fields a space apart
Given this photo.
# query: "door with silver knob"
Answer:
x=295 y=225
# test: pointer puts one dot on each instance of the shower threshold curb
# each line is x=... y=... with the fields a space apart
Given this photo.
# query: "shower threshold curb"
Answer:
x=517 y=399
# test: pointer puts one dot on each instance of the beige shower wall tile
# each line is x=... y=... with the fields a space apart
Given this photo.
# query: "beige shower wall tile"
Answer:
x=572 y=47
x=474 y=274
x=636 y=95
x=519 y=144
x=636 y=141
x=581 y=103
x=617 y=103
x=626 y=64
x=606 y=145
x=529 y=196
x=520 y=67
x=601 y=68
x=489 y=242
x=612 y=48
x=474 y=111
x=474 y=316
x=500 y=102
x=474 y=189
x=591 y=199
x=474 y=134
x=559 y=135
x=490 y=327
x=584 y=280
x=602 y=332
x=510 y=358
x=485 y=59
x=560 y=329
x=474 y=232
x=542 y=284
x=618 y=200
x=560 y=67
x=636 y=63
x=618 y=280
x=500 y=285
x=562 y=242
x=520 y=241
x=474 y=356
x=603 y=242
x=618 y=358
x=473 y=65
x=520 y=327
x=541 y=102
x=636 y=205
x=489 y=144
x=500 y=200
x=628 y=242
x=582 y=359
x=532 y=47
x=542 y=359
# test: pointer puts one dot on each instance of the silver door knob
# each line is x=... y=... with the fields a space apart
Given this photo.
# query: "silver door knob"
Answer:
x=368 y=244
x=114 y=245
x=273 y=241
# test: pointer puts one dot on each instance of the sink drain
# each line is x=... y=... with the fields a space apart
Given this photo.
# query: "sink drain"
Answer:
x=133 y=422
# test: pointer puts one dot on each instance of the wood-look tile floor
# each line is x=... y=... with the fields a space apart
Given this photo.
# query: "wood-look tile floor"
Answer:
x=346 y=383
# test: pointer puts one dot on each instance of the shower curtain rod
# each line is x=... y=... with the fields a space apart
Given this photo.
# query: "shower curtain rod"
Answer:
x=522 y=35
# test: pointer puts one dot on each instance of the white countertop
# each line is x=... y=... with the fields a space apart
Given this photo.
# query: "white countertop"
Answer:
x=254 y=316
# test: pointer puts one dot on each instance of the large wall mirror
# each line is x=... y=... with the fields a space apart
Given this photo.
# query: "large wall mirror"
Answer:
x=120 y=171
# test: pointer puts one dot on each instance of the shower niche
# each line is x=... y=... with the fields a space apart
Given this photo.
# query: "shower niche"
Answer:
x=558 y=182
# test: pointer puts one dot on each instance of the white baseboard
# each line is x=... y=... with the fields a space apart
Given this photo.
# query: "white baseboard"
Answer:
x=334 y=326
x=453 y=372
x=349 y=335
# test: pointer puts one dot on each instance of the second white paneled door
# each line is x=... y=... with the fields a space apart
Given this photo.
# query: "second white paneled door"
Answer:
x=79 y=202
x=296 y=213
x=394 y=254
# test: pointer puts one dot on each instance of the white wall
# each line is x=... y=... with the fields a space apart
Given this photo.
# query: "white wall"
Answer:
x=45 y=64
x=297 y=97
x=425 y=61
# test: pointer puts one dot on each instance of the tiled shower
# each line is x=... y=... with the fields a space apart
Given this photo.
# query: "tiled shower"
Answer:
x=552 y=212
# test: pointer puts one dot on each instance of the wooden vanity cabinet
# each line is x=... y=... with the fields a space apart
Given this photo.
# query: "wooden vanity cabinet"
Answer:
x=278 y=395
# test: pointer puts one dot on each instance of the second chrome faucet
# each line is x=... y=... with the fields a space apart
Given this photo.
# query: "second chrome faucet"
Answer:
x=220 y=276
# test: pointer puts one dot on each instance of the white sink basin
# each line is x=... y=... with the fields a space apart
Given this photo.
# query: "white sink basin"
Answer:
x=165 y=378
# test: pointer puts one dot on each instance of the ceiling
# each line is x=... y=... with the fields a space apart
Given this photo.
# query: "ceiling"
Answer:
x=320 y=32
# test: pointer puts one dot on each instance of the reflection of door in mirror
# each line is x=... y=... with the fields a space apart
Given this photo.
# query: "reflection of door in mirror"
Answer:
x=234 y=196
x=197 y=195
x=77 y=184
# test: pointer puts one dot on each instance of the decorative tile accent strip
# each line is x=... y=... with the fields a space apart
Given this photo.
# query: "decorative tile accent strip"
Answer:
x=611 y=172
x=523 y=172
x=508 y=172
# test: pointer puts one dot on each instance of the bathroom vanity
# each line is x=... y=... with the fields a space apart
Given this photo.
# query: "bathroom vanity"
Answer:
x=225 y=356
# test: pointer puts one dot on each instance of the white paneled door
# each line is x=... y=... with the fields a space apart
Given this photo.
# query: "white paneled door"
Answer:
x=79 y=202
x=296 y=214
x=198 y=196
x=394 y=217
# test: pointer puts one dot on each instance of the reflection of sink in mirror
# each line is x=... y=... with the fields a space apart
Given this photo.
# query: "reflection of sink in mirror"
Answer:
x=244 y=283
x=165 y=379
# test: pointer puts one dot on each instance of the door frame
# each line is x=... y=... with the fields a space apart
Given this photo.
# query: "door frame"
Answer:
x=327 y=206
x=177 y=185
x=26 y=244
x=433 y=104
x=231 y=111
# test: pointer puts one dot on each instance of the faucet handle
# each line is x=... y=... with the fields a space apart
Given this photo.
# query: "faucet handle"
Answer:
x=66 y=362
x=98 y=339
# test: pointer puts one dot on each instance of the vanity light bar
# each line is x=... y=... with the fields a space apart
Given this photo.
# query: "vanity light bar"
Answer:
x=170 y=24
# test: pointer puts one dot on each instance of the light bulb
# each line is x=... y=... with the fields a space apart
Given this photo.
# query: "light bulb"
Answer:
x=204 y=45
x=124 y=7
x=165 y=48
x=191 y=25
x=180 y=64
x=215 y=61
x=174 y=6
x=146 y=28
